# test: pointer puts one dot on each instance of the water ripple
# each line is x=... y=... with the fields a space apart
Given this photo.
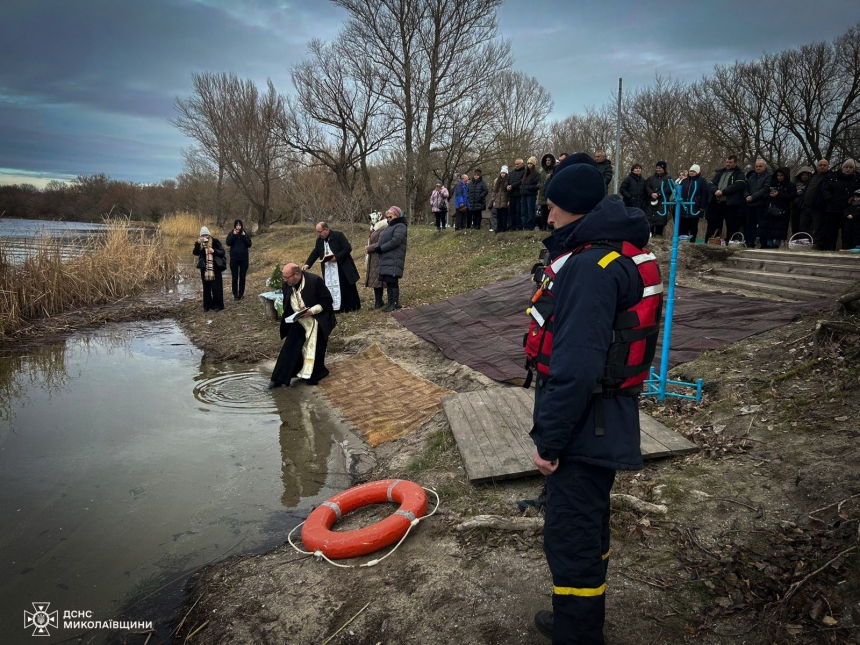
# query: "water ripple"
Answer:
x=237 y=391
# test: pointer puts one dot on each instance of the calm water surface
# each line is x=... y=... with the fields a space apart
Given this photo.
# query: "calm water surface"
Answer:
x=125 y=462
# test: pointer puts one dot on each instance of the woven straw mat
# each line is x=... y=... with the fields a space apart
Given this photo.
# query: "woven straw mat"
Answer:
x=380 y=398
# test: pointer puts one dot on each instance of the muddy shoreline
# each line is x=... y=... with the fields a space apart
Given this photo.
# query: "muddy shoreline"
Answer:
x=778 y=436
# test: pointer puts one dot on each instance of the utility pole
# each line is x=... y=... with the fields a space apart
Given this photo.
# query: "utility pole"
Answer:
x=617 y=138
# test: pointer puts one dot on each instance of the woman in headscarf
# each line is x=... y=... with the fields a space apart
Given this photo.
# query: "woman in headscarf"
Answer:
x=391 y=248
x=378 y=223
x=773 y=227
x=211 y=263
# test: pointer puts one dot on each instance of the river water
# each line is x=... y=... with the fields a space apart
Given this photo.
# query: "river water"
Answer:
x=125 y=463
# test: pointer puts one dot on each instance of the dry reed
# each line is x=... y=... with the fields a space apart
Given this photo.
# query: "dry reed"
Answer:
x=112 y=265
x=182 y=225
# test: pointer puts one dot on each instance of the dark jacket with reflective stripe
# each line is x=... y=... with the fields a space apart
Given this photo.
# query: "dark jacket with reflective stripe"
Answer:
x=588 y=294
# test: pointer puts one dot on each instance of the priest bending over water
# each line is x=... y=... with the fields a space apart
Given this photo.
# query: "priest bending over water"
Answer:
x=307 y=322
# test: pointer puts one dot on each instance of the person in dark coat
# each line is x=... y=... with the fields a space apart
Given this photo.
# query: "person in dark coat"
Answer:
x=303 y=352
x=605 y=167
x=813 y=207
x=515 y=180
x=528 y=194
x=580 y=462
x=694 y=188
x=800 y=180
x=633 y=187
x=392 y=249
x=371 y=268
x=547 y=168
x=239 y=241
x=837 y=192
x=755 y=195
x=477 y=193
x=212 y=262
x=658 y=190
x=461 y=203
x=851 y=230
x=773 y=225
x=334 y=252
x=727 y=188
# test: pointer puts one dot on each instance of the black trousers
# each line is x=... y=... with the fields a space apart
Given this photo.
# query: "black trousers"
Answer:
x=812 y=222
x=474 y=220
x=720 y=213
x=832 y=227
x=238 y=269
x=755 y=215
x=502 y=220
x=576 y=541
x=851 y=233
x=688 y=226
x=544 y=213
x=461 y=220
x=441 y=219
x=514 y=222
x=213 y=291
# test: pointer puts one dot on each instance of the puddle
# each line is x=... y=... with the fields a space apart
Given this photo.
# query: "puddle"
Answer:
x=126 y=463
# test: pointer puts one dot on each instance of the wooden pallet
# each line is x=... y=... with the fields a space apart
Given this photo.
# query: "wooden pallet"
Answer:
x=491 y=428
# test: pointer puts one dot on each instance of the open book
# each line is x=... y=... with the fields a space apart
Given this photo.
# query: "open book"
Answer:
x=292 y=318
x=328 y=257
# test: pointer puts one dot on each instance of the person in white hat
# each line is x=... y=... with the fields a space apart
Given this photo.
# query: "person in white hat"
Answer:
x=212 y=261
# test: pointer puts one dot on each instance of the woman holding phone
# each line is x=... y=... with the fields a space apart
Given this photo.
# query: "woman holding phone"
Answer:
x=211 y=263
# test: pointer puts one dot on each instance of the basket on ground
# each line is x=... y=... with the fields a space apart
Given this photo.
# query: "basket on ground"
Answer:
x=800 y=242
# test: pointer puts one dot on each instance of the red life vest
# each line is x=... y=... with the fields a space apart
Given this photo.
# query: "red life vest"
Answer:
x=634 y=331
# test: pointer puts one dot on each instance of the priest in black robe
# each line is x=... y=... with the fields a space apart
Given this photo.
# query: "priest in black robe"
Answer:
x=307 y=322
x=334 y=252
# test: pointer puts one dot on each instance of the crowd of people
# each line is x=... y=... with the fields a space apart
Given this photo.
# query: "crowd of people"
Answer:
x=758 y=207
x=310 y=301
x=516 y=199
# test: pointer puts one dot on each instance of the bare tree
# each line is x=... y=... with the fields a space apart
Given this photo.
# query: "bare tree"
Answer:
x=656 y=126
x=517 y=121
x=818 y=94
x=593 y=131
x=234 y=124
x=337 y=117
x=427 y=49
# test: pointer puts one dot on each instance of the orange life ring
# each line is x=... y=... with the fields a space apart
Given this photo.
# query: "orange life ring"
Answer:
x=317 y=533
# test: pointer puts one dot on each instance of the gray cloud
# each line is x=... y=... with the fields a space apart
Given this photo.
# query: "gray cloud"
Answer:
x=88 y=86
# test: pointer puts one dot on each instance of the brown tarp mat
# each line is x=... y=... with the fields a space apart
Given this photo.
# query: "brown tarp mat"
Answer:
x=484 y=328
x=380 y=398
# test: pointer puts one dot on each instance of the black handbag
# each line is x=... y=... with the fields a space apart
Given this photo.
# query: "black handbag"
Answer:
x=219 y=263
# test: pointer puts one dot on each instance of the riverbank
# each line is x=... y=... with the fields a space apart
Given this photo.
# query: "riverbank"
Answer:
x=715 y=569
x=778 y=438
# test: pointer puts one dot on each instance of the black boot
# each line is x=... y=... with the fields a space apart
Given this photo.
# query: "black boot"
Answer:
x=380 y=303
x=393 y=299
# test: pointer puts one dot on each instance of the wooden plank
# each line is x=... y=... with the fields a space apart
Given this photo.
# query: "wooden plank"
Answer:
x=474 y=463
x=511 y=423
x=479 y=445
x=491 y=429
x=485 y=422
x=674 y=443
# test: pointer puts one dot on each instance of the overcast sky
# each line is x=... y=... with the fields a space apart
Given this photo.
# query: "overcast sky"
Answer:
x=87 y=86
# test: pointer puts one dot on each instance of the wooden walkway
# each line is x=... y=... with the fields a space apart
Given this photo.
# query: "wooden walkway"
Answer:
x=491 y=428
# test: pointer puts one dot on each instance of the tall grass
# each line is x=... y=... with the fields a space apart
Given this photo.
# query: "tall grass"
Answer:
x=182 y=225
x=111 y=266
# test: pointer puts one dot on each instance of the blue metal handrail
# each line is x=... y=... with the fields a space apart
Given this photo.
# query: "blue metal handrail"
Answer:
x=656 y=384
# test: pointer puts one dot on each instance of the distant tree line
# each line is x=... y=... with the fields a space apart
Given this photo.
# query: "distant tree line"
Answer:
x=411 y=91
